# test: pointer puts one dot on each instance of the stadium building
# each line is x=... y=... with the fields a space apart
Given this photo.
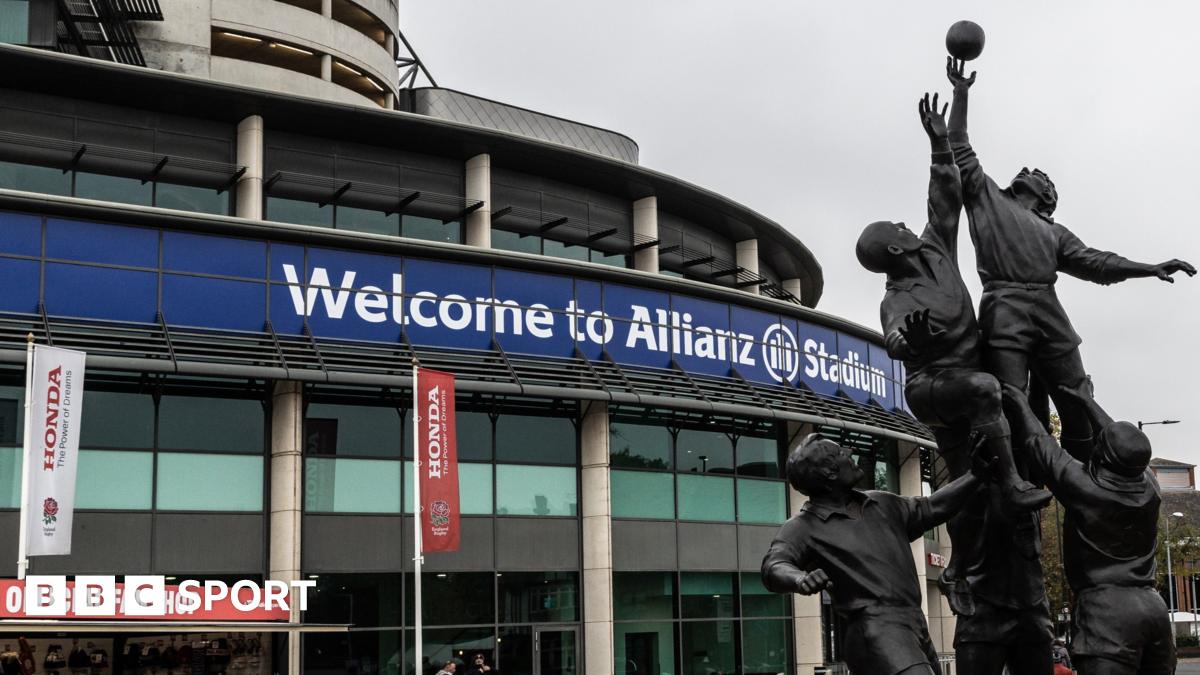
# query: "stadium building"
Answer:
x=253 y=225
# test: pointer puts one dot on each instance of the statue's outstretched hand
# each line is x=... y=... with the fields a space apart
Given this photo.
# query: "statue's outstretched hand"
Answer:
x=918 y=332
x=1165 y=270
x=814 y=582
x=955 y=72
x=932 y=119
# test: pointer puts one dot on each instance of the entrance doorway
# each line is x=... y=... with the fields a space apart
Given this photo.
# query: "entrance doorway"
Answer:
x=556 y=650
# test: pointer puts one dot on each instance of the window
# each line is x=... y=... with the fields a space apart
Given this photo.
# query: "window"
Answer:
x=14 y=21
x=536 y=490
x=109 y=479
x=209 y=423
x=511 y=241
x=299 y=212
x=642 y=494
x=705 y=498
x=706 y=595
x=474 y=436
x=28 y=177
x=200 y=482
x=758 y=601
x=454 y=598
x=703 y=452
x=366 y=220
x=541 y=440
x=474 y=488
x=538 y=597
x=431 y=229
x=766 y=646
x=10 y=478
x=758 y=456
x=365 y=431
x=113 y=188
x=761 y=501
x=364 y=600
x=351 y=485
x=117 y=420
x=558 y=249
x=643 y=596
x=708 y=646
x=645 y=647
x=641 y=446
x=191 y=198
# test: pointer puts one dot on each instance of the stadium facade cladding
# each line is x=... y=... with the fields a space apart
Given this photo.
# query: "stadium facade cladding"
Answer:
x=252 y=273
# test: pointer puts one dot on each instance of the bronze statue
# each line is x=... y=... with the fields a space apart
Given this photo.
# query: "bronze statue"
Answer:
x=1110 y=538
x=1019 y=251
x=855 y=546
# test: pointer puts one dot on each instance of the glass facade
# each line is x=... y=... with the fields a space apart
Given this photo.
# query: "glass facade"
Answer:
x=698 y=622
x=303 y=212
x=104 y=187
x=664 y=472
x=543 y=245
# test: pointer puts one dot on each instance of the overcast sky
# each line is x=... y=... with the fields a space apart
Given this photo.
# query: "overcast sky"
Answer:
x=806 y=113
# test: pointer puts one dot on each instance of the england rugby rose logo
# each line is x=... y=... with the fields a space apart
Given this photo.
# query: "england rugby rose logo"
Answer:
x=439 y=514
x=49 y=510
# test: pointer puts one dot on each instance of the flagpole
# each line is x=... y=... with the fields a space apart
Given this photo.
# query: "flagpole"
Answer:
x=26 y=445
x=418 y=651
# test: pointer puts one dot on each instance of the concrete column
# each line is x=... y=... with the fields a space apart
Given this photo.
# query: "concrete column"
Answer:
x=479 y=189
x=327 y=8
x=597 y=542
x=910 y=486
x=806 y=609
x=249 y=189
x=287 y=472
x=747 y=259
x=645 y=226
x=795 y=287
x=326 y=67
x=389 y=101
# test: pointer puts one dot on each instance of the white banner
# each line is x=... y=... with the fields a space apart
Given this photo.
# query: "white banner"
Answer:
x=52 y=448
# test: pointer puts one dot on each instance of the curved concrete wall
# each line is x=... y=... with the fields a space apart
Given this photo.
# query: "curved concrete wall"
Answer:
x=271 y=19
x=262 y=76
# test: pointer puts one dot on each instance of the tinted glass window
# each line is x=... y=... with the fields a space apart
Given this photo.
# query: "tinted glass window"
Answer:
x=643 y=595
x=10 y=478
x=474 y=488
x=352 y=485
x=538 y=597
x=431 y=229
x=645 y=647
x=706 y=595
x=761 y=501
x=523 y=490
x=707 y=646
x=190 y=198
x=642 y=494
x=203 y=423
x=30 y=178
x=766 y=646
x=511 y=241
x=117 y=420
x=703 y=452
x=614 y=259
x=541 y=440
x=364 y=600
x=12 y=415
x=705 y=497
x=14 y=21
x=454 y=598
x=758 y=457
x=114 y=479
x=758 y=601
x=558 y=249
x=366 y=220
x=642 y=446
x=352 y=430
x=113 y=188
x=193 y=482
x=299 y=212
x=474 y=436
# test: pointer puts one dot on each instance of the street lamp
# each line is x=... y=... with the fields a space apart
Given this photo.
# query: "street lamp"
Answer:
x=1170 y=581
x=1140 y=423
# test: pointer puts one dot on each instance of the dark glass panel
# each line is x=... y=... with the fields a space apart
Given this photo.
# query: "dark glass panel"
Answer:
x=708 y=646
x=706 y=595
x=117 y=420
x=365 y=600
x=645 y=648
x=758 y=601
x=703 y=452
x=537 y=440
x=758 y=456
x=30 y=178
x=452 y=598
x=353 y=430
x=113 y=188
x=206 y=423
x=367 y=220
x=640 y=446
x=191 y=198
x=766 y=647
x=643 y=595
x=538 y=597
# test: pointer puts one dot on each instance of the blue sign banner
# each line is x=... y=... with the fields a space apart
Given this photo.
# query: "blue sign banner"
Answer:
x=122 y=273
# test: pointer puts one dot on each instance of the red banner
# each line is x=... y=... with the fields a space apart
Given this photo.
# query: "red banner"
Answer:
x=438 y=453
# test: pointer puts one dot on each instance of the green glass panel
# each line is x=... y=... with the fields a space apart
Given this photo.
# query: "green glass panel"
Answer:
x=703 y=452
x=645 y=649
x=643 y=595
x=32 y=178
x=558 y=249
x=113 y=188
x=613 y=259
x=705 y=497
x=12 y=415
x=758 y=601
x=538 y=597
x=117 y=420
x=14 y=21
x=523 y=490
x=511 y=241
x=205 y=423
x=209 y=482
x=10 y=478
x=299 y=212
x=642 y=446
x=474 y=488
x=766 y=646
x=351 y=485
x=708 y=646
x=758 y=457
x=431 y=229
x=367 y=220
x=191 y=198
x=473 y=433
x=114 y=479
x=373 y=431
x=706 y=595
x=761 y=501
x=541 y=440
x=642 y=494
